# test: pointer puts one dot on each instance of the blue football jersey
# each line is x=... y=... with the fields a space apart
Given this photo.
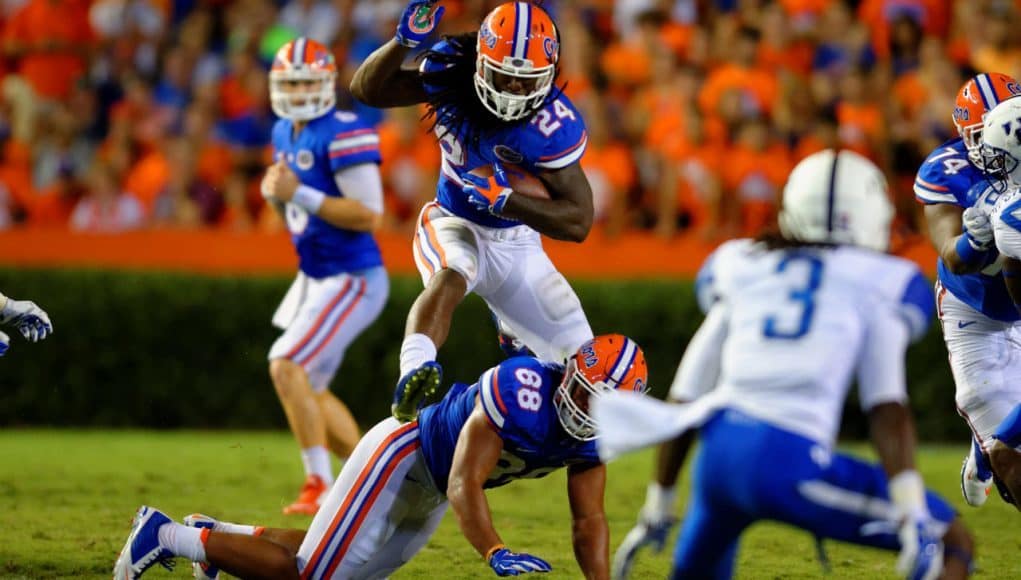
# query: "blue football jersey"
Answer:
x=947 y=176
x=553 y=138
x=326 y=145
x=517 y=397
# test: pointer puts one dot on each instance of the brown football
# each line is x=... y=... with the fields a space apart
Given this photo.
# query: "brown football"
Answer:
x=519 y=180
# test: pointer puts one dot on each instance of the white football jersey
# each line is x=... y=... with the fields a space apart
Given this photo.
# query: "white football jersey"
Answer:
x=1006 y=219
x=794 y=326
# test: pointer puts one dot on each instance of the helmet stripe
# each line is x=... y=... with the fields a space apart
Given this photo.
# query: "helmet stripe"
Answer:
x=298 y=57
x=521 y=21
x=831 y=197
x=620 y=367
x=985 y=90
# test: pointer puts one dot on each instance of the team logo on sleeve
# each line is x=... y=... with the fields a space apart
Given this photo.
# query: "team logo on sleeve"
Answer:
x=305 y=160
x=507 y=155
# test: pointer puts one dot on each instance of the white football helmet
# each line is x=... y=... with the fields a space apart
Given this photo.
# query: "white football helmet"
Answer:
x=837 y=197
x=301 y=80
x=1001 y=144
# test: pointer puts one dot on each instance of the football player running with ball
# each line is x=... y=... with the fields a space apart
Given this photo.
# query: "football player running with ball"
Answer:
x=791 y=319
x=523 y=419
x=493 y=100
x=326 y=183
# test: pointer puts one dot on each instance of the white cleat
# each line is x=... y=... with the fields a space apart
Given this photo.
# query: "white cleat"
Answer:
x=974 y=490
x=142 y=549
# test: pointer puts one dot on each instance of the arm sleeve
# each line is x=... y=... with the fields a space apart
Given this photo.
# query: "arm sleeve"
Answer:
x=567 y=139
x=362 y=183
x=699 y=370
x=353 y=146
x=706 y=292
x=881 y=373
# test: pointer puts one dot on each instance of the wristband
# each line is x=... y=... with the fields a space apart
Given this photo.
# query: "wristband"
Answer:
x=493 y=550
x=659 y=500
x=967 y=251
x=309 y=198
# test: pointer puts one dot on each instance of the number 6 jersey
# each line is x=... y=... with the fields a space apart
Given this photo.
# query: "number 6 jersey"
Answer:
x=795 y=325
x=517 y=397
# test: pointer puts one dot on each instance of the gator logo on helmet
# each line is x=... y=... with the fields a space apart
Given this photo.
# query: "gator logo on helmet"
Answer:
x=1014 y=88
x=550 y=46
x=588 y=353
x=487 y=37
x=961 y=114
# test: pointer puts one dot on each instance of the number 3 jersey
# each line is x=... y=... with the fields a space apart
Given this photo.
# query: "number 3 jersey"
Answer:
x=517 y=397
x=794 y=325
x=947 y=176
x=553 y=138
x=326 y=145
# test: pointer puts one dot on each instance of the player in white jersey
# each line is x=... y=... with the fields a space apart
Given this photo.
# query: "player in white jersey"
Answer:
x=326 y=183
x=1001 y=154
x=791 y=319
x=494 y=101
x=31 y=321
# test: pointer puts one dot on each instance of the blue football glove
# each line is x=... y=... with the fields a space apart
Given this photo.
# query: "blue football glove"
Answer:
x=419 y=20
x=645 y=533
x=507 y=563
x=5 y=343
x=921 y=551
x=488 y=194
x=31 y=321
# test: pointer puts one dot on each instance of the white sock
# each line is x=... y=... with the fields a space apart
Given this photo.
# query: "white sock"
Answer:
x=317 y=462
x=183 y=541
x=416 y=349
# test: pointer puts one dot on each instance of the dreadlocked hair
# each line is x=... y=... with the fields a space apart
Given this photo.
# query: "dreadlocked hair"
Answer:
x=453 y=103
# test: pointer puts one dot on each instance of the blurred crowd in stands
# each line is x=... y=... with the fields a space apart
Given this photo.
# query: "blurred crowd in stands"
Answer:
x=121 y=114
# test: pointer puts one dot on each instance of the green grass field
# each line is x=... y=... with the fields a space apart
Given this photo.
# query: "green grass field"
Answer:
x=67 y=498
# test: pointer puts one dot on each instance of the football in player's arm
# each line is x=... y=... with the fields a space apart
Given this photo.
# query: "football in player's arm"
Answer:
x=23 y=315
x=523 y=419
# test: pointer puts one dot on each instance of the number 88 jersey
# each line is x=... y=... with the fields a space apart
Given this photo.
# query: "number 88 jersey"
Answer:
x=517 y=398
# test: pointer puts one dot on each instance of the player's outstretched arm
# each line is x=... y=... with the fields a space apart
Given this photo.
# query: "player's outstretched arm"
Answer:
x=31 y=321
x=477 y=453
x=962 y=252
x=590 y=534
x=381 y=81
x=567 y=215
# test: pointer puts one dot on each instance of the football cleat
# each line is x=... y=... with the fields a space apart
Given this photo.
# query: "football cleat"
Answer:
x=309 y=497
x=202 y=570
x=415 y=389
x=974 y=488
x=143 y=548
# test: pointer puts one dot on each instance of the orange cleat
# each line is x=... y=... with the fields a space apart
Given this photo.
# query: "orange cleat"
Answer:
x=308 y=500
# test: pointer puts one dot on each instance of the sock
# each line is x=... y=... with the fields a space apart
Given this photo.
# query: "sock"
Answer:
x=184 y=541
x=317 y=462
x=1009 y=430
x=416 y=349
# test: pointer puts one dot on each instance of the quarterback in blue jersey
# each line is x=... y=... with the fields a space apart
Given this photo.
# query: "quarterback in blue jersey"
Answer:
x=31 y=321
x=523 y=419
x=979 y=320
x=493 y=98
x=325 y=182
x=790 y=320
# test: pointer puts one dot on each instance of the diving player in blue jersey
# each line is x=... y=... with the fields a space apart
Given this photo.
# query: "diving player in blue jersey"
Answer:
x=325 y=182
x=979 y=320
x=493 y=100
x=523 y=419
x=791 y=320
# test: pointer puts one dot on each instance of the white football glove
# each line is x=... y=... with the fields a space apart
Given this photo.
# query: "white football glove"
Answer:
x=654 y=522
x=978 y=228
x=31 y=321
x=921 y=549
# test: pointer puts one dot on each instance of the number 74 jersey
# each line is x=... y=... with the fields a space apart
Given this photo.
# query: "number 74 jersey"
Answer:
x=795 y=325
x=517 y=399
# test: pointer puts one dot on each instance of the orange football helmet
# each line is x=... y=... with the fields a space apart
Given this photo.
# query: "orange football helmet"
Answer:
x=518 y=49
x=977 y=97
x=301 y=81
x=607 y=362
